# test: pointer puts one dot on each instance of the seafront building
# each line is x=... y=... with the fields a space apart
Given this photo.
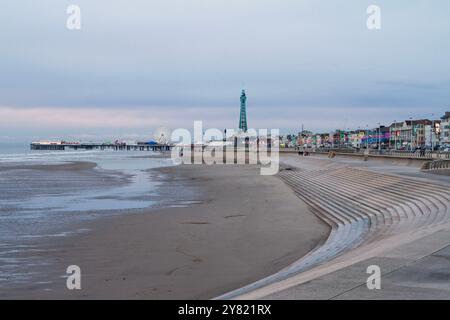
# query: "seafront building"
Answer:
x=445 y=129
x=409 y=134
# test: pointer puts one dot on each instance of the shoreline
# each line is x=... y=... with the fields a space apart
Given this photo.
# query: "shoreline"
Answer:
x=230 y=238
x=67 y=165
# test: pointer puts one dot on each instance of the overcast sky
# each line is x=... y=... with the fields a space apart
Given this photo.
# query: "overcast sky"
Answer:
x=138 y=65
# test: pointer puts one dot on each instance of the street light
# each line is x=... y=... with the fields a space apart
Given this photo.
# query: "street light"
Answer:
x=379 y=137
x=367 y=136
x=410 y=134
x=390 y=136
x=359 y=137
x=395 y=135
x=432 y=131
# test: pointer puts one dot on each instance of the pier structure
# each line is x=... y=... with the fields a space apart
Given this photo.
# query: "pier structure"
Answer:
x=139 y=146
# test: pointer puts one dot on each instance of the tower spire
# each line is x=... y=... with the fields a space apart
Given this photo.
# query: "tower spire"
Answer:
x=243 y=113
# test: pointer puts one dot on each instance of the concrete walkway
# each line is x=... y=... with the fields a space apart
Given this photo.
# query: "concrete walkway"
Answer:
x=381 y=213
x=419 y=270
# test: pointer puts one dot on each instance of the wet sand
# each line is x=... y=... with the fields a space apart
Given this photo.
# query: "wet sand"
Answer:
x=246 y=227
x=71 y=166
x=63 y=178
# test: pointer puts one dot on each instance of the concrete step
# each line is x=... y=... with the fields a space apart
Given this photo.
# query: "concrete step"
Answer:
x=364 y=210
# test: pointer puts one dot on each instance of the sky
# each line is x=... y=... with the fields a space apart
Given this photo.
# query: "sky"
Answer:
x=136 y=65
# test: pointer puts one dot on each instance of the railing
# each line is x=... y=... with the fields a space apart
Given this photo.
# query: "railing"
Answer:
x=417 y=154
x=436 y=165
x=420 y=154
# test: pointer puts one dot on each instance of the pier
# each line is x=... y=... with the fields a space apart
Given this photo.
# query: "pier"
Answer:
x=139 y=146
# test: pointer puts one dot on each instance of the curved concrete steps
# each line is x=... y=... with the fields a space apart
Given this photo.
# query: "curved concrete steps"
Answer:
x=364 y=209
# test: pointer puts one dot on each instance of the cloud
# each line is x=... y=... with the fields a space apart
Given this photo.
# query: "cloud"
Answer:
x=142 y=64
x=111 y=118
x=70 y=118
x=136 y=121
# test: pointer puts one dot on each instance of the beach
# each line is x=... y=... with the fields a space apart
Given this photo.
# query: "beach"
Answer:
x=219 y=231
x=241 y=227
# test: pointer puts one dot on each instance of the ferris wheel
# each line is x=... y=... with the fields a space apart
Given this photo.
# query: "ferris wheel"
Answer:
x=162 y=135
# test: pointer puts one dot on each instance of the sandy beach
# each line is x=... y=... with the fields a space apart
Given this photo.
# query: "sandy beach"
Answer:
x=245 y=227
x=72 y=166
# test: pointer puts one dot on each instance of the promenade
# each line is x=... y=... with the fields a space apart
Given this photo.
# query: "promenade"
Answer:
x=381 y=212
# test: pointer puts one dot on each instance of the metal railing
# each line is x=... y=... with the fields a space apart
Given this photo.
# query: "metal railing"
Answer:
x=436 y=165
x=417 y=154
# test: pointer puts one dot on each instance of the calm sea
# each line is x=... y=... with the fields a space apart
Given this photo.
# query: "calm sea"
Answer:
x=37 y=204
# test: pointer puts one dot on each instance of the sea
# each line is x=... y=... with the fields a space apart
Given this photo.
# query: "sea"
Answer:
x=37 y=203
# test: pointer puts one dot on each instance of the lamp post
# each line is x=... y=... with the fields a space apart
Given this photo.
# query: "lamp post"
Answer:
x=410 y=134
x=432 y=131
x=367 y=136
x=390 y=135
x=359 y=137
x=395 y=134
x=379 y=137
x=347 y=137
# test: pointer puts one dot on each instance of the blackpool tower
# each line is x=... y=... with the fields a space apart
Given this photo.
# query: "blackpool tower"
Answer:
x=243 y=114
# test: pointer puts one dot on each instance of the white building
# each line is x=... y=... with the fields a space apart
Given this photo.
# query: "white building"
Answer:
x=432 y=134
x=445 y=129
